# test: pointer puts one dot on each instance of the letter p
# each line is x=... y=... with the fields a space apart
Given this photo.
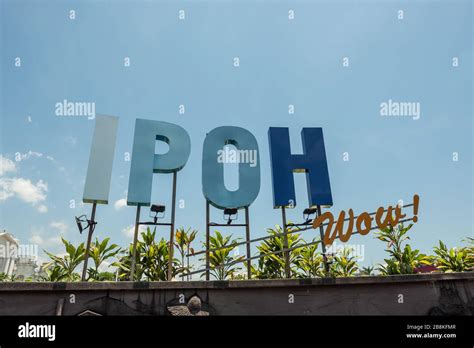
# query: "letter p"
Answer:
x=145 y=162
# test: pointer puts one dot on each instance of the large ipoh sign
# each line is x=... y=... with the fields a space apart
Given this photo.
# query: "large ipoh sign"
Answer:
x=145 y=162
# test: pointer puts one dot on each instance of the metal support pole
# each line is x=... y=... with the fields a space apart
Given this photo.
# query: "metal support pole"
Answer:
x=298 y=228
x=281 y=251
x=207 y=241
x=134 y=250
x=285 y=241
x=323 y=246
x=88 y=244
x=188 y=277
x=247 y=236
x=171 y=251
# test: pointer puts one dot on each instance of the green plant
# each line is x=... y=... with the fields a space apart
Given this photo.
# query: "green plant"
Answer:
x=100 y=252
x=394 y=237
x=272 y=265
x=367 y=271
x=183 y=241
x=220 y=260
x=7 y=278
x=54 y=273
x=124 y=262
x=403 y=260
x=310 y=262
x=452 y=260
x=470 y=252
x=70 y=261
x=155 y=259
x=343 y=263
x=152 y=260
x=101 y=276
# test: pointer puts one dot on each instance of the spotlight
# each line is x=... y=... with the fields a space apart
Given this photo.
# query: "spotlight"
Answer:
x=308 y=212
x=230 y=214
x=80 y=220
x=157 y=212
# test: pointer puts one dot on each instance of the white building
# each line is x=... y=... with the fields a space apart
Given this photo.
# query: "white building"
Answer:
x=25 y=267
x=8 y=253
x=17 y=259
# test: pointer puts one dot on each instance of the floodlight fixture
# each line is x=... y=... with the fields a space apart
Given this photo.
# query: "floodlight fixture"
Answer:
x=307 y=213
x=157 y=212
x=230 y=214
x=82 y=223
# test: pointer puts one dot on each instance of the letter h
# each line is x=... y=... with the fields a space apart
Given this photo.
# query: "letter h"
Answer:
x=312 y=162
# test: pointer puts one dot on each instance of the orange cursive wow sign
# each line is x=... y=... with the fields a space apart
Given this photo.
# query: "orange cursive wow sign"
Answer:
x=363 y=223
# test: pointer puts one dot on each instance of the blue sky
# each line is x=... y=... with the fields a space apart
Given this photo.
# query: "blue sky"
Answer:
x=282 y=62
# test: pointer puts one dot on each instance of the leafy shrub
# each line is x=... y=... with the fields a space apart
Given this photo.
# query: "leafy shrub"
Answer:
x=221 y=260
x=271 y=265
x=452 y=260
x=403 y=260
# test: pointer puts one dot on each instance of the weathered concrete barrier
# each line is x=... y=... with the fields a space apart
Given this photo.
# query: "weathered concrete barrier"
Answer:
x=426 y=294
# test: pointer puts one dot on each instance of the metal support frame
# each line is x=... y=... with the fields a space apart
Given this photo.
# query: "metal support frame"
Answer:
x=285 y=243
x=171 y=224
x=323 y=246
x=208 y=250
x=134 y=249
x=299 y=229
x=275 y=252
x=92 y=224
x=247 y=239
x=171 y=251
x=304 y=227
x=207 y=241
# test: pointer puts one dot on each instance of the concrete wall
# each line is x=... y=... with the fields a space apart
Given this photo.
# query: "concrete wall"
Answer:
x=434 y=294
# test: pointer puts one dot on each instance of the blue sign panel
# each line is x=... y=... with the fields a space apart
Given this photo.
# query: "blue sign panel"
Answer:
x=247 y=156
x=99 y=171
x=312 y=162
x=145 y=162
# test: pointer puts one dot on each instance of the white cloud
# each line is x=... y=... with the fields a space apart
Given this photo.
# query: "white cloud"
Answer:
x=25 y=190
x=106 y=266
x=5 y=191
x=29 y=154
x=60 y=226
x=121 y=203
x=129 y=231
x=42 y=208
x=36 y=239
x=6 y=165
x=44 y=240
